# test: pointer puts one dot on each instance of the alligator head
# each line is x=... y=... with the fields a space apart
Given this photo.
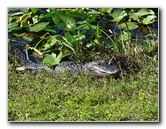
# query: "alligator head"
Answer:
x=99 y=68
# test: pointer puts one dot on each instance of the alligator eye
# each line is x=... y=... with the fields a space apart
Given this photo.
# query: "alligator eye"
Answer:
x=100 y=64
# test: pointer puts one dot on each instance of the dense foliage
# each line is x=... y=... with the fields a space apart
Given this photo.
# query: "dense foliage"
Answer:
x=83 y=33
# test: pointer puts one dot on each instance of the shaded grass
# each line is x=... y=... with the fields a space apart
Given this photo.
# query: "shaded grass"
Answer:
x=45 y=97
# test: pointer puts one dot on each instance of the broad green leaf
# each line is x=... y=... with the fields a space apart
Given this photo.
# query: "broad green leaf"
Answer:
x=63 y=20
x=70 y=23
x=134 y=16
x=47 y=46
x=149 y=19
x=49 y=60
x=78 y=13
x=140 y=16
x=108 y=10
x=52 y=59
x=128 y=26
x=34 y=10
x=118 y=15
x=45 y=16
x=144 y=11
x=18 y=34
x=53 y=41
x=38 y=27
x=58 y=17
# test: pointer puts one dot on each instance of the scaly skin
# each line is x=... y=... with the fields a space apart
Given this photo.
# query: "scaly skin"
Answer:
x=95 y=68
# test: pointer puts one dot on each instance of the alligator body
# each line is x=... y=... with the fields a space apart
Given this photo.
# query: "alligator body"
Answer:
x=94 y=68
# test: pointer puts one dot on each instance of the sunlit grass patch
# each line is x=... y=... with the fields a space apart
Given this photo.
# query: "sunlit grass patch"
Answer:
x=47 y=97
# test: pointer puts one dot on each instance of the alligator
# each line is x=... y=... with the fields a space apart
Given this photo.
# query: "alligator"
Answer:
x=94 y=68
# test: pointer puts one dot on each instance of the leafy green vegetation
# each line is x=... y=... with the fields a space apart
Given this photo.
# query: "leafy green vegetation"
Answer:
x=82 y=33
x=126 y=38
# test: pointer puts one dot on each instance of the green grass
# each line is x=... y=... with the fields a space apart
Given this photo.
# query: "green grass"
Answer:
x=44 y=97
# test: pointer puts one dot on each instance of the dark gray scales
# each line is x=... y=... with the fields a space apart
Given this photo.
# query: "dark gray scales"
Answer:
x=70 y=66
x=93 y=68
x=34 y=66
